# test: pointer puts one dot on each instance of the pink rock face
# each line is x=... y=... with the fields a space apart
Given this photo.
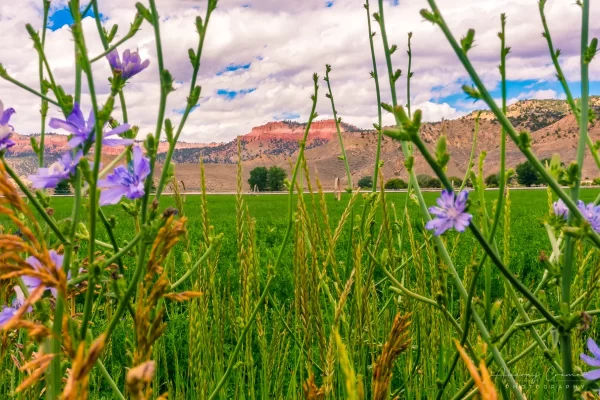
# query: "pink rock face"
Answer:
x=293 y=131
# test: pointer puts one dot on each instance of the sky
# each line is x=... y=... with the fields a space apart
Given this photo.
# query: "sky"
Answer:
x=260 y=55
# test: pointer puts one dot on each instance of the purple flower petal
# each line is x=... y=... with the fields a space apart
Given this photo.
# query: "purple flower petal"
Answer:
x=592 y=375
x=141 y=165
x=118 y=130
x=6 y=314
x=450 y=213
x=593 y=348
x=5 y=116
x=117 y=142
x=112 y=195
x=591 y=361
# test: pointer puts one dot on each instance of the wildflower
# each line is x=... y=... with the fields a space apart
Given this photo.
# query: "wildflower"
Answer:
x=8 y=312
x=449 y=213
x=126 y=181
x=6 y=130
x=591 y=213
x=592 y=361
x=560 y=209
x=62 y=169
x=132 y=63
x=83 y=132
x=33 y=282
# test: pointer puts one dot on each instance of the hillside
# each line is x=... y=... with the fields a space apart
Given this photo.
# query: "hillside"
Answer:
x=553 y=129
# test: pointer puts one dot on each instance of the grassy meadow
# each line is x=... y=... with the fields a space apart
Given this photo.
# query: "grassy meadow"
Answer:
x=293 y=336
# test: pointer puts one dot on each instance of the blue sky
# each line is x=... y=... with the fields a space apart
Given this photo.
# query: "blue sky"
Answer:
x=516 y=90
x=62 y=16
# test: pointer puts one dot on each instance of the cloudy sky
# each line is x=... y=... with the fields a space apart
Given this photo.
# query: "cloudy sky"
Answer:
x=260 y=55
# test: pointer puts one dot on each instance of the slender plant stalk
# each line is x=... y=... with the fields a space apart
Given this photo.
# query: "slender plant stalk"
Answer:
x=36 y=204
x=554 y=55
x=192 y=100
x=375 y=77
x=93 y=193
x=44 y=105
x=521 y=140
x=569 y=256
x=441 y=246
x=337 y=126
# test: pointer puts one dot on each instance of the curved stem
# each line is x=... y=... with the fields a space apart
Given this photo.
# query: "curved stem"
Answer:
x=194 y=268
x=337 y=127
x=79 y=37
x=44 y=105
x=522 y=141
x=375 y=77
x=188 y=109
x=161 y=110
x=36 y=204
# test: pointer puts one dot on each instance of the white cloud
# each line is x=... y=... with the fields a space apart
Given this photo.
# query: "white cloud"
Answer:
x=285 y=42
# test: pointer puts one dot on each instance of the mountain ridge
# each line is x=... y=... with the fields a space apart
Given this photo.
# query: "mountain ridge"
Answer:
x=553 y=129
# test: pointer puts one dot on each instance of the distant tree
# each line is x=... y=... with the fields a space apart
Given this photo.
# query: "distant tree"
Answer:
x=455 y=180
x=492 y=180
x=426 y=181
x=63 y=187
x=275 y=178
x=259 y=178
x=596 y=181
x=365 y=182
x=395 y=183
x=527 y=175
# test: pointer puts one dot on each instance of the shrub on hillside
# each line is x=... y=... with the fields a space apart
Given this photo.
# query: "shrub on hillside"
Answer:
x=395 y=183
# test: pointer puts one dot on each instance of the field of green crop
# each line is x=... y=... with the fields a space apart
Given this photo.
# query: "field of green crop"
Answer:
x=200 y=336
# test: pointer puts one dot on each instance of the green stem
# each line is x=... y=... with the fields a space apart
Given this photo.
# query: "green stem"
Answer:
x=554 y=54
x=44 y=105
x=521 y=140
x=109 y=380
x=36 y=203
x=569 y=255
x=161 y=110
x=28 y=89
x=188 y=109
x=93 y=192
x=125 y=38
x=337 y=127
x=194 y=268
x=238 y=346
x=378 y=92
x=487 y=247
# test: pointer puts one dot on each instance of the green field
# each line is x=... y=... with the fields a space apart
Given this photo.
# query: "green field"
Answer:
x=293 y=334
x=527 y=236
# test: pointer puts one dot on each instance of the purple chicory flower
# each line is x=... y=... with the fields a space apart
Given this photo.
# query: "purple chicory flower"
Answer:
x=126 y=181
x=32 y=282
x=132 y=63
x=6 y=130
x=8 y=312
x=82 y=131
x=591 y=213
x=592 y=361
x=62 y=169
x=449 y=213
x=560 y=209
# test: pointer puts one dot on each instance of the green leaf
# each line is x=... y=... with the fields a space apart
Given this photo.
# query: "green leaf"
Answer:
x=467 y=41
x=472 y=92
x=591 y=51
